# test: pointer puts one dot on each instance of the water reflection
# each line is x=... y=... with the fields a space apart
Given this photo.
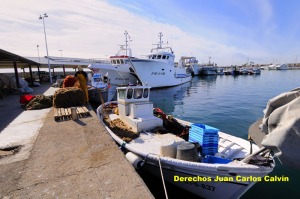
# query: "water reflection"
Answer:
x=167 y=98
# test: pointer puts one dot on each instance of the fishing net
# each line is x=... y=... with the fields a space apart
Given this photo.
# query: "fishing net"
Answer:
x=39 y=102
x=70 y=81
x=68 y=97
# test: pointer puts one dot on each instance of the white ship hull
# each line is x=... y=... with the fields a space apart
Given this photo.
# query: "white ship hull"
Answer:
x=159 y=74
x=118 y=74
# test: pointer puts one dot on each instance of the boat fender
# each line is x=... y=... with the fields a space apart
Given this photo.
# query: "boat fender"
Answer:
x=135 y=160
x=122 y=146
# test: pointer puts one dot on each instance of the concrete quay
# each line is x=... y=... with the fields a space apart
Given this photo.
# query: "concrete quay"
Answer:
x=67 y=159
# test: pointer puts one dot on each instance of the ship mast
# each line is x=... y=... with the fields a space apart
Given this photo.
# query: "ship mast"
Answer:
x=160 y=35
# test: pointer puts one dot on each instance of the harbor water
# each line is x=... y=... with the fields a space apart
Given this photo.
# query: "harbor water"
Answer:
x=231 y=104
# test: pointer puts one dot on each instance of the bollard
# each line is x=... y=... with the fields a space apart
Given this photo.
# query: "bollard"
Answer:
x=74 y=113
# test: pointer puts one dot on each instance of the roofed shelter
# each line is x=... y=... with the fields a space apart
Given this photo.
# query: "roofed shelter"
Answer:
x=10 y=60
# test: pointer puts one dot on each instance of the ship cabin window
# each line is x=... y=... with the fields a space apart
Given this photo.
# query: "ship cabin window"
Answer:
x=158 y=56
x=118 y=61
x=129 y=93
x=113 y=61
x=164 y=56
x=138 y=93
x=121 y=61
x=154 y=57
x=121 y=93
x=167 y=57
x=145 y=94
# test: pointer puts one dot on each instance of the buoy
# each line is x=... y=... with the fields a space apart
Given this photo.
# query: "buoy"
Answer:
x=187 y=151
x=135 y=160
x=168 y=148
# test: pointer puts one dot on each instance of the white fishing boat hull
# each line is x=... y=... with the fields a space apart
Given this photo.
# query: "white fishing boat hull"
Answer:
x=159 y=74
x=237 y=176
x=203 y=189
x=118 y=74
x=272 y=67
x=282 y=67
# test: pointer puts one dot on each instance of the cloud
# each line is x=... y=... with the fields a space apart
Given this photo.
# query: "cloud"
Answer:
x=93 y=29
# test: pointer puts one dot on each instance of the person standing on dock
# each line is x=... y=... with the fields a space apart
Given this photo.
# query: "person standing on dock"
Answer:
x=82 y=78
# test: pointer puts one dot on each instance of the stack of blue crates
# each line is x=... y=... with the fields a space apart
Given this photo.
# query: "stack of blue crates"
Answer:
x=206 y=136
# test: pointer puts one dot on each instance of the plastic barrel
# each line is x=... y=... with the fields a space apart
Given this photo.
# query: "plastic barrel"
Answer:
x=168 y=148
x=187 y=151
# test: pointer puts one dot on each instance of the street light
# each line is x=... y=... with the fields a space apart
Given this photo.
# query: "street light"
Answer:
x=42 y=17
x=37 y=46
x=60 y=53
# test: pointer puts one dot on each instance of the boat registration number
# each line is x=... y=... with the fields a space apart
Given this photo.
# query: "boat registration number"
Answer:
x=203 y=186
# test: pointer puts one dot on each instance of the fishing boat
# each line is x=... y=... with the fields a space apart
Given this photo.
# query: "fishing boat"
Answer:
x=159 y=69
x=191 y=63
x=272 y=67
x=220 y=71
x=225 y=167
x=254 y=70
x=282 y=67
x=100 y=90
x=116 y=67
x=209 y=68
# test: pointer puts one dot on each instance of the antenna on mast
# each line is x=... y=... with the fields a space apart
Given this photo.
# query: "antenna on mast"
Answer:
x=160 y=35
x=126 y=41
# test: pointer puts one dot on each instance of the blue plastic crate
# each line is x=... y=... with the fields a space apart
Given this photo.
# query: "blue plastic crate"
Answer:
x=203 y=134
x=200 y=138
x=209 y=151
x=216 y=160
x=203 y=128
x=210 y=145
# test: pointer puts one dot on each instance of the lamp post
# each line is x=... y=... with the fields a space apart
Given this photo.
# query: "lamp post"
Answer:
x=60 y=53
x=37 y=46
x=43 y=17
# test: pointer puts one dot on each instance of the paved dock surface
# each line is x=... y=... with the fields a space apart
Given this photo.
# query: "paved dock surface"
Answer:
x=72 y=159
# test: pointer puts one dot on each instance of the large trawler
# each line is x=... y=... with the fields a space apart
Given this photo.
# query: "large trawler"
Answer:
x=159 y=69
x=116 y=67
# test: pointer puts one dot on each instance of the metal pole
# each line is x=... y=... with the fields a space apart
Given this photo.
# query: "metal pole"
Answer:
x=45 y=15
x=37 y=46
x=60 y=53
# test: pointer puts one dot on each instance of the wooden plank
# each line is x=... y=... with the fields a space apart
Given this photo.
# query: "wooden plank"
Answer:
x=85 y=109
x=58 y=112
x=80 y=110
x=62 y=112
x=87 y=112
x=69 y=110
x=55 y=113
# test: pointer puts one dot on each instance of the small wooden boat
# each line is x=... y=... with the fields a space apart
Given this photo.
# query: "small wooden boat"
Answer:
x=232 y=167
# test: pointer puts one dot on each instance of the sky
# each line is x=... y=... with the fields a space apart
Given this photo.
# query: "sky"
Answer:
x=231 y=32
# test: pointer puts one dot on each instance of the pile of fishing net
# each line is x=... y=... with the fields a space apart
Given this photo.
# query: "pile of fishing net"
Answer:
x=68 y=97
x=39 y=102
x=171 y=124
x=70 y=81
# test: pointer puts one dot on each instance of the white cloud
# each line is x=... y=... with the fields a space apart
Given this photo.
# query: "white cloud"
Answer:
x=92 y=29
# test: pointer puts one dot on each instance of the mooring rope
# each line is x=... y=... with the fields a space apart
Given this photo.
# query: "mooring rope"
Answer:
x=162 y=177
x=161 y=173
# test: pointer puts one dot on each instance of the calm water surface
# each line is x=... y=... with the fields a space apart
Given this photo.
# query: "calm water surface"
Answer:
x=231 y=104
